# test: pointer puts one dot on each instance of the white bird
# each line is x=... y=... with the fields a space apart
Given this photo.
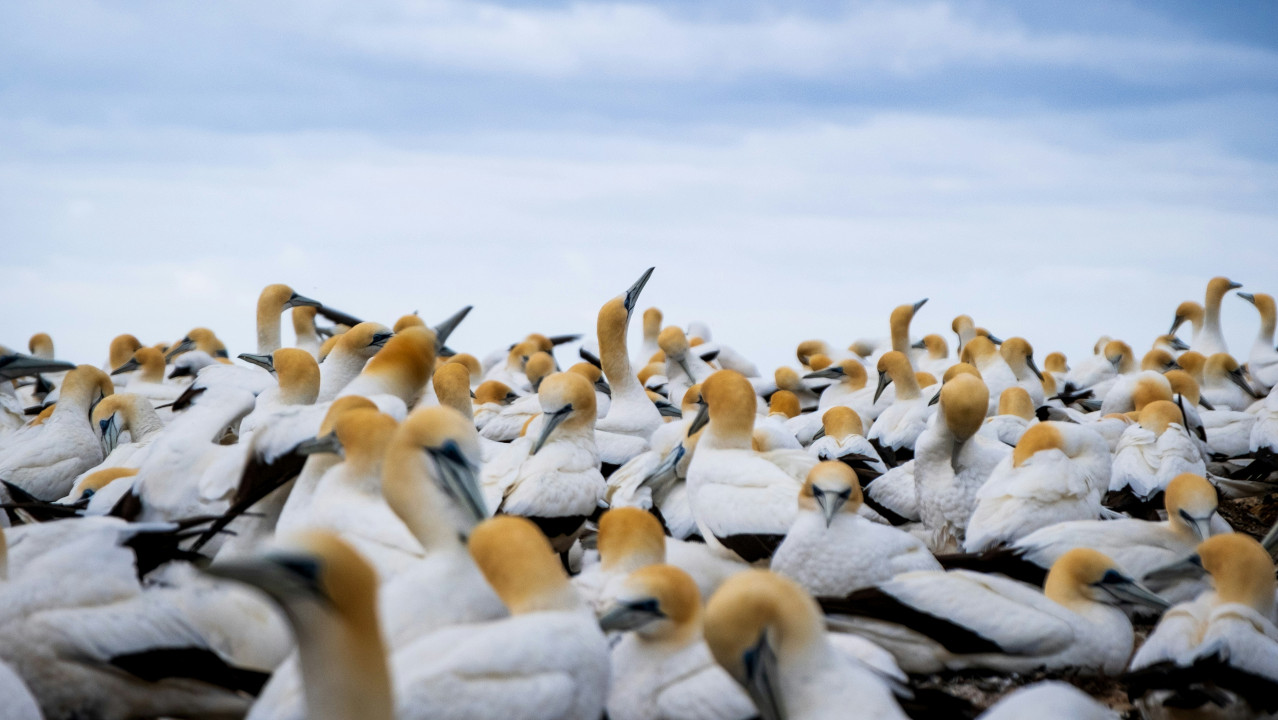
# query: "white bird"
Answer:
x=273 y=301
x=510 y=421
x=1155 y=450
x=297 y=377
x=146 y=369
x=1015 y=415
x=952 y=461
x=842 y=438
x=1058 y=472
x=632 y=417
x=683 y=367
x=662 y=668
x=350 y=353
x=1048 y=700
x=47 y=460
x=743 y=501
x=933 y=621
x=898 y=427
x=1225 y=386
x=1262 y=363
x=994 y=369
x=770 y=637
x=308 y=339
x=552 y=478
x=1019 y=356
x=831 y=550
x=1221 y=648
x=1211 y=339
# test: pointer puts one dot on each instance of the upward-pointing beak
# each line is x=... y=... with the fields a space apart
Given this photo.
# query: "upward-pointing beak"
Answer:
x=632 y=295
x=920 y=304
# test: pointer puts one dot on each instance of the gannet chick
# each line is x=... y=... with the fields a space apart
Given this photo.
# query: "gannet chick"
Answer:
x=548 y=660
x=1216 y=655
x=1262 y=363
x=1058 y=472
x=273 y=301
x=662 y=667
x=1212 y=340
x=349 y=354
x=955 y=620
x=1153 y=451
x=1015 y=416
x=329 y=595
x=552 y=479
x=631 y=415
x=953 y=461
x=1225 y=386
x=841 y=438
x=770 y=637
x=47 y=461
x=743 y=501
x=897 y=428
x=308 y=338
x=830 y=550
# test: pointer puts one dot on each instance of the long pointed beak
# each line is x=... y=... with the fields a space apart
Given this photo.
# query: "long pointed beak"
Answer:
x=667 y=469
x=683 y=365
x=698 y=422
x=1189 y=568
x=1029 y=362
x=126 y=366
x=668 y=409
x=818 y=434
x=19 y=365
x=884 y=381
x=459 y=480
x=1178 y=345
x=920 y=304
x=1234 y=285
x=993 y=338
x=622 y=617
x=763 y=679
x=830 y=505
x=1206 y=405
x=1133 y=592
x=322 y=444
x=186 y=344
x=266 y=362
x=552 y=421
x=301 y=301
x=1176 y=321
x=1201 y=528
x=834 y=371
x=110 y=432
x=632 y=295
x=446 y=328
x=380 y=338
x=602 y=386
x=1248 y=297
x=935 y=399
x=1236 y=377
x=920 y=345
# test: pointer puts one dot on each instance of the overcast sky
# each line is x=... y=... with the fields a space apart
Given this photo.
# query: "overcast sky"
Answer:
x=793 y=170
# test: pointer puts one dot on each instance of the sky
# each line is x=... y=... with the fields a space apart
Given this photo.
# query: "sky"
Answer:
x=792 y=170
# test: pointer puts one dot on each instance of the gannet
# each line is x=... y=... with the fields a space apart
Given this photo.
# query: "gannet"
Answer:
x=511 y=373
x=1019 y=356
x=725 y=356
x=932 y=621
x=1211 y=340
x=1221 y=648
x=510 y=422
x=552 y=478
x=400 y=370
x=491 y=397
x=1192 y=312
x=147 y=376
x=952 y=461
x=297 y=377
x=120 y=351
x=350 y=352
x=47 y=461
x=549 y=659
x=308 y=338
x=842 y=438
x=1048 y=700
x=897 y=428
x=770 y=637
x=772 y=431
x=1262 y=363
x=1058 y=472
x=995 y=371
x=743 y=501
x=329 y=595
x=274 y=300
x=830 y=550
x=936 y=359
x=631 y=418
x=120 y=413
x=1015 y=415
x=662 y=667
x=1099 y=372
x=683 y=368
x=849 y=389
x=452 y=389
x=1225 y=386
x=651 y=333
x=1153 y=451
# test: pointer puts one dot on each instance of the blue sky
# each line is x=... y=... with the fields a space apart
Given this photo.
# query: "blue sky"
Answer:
x=793 y=170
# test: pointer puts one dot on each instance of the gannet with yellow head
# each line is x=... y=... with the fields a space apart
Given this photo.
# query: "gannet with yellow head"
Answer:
x=297 y=384
x=510 y=421
x=936 y=620
x=401 y=369
x=1015 y=415
x=304 y=330
x=631 y=415
x=552 y=474
x=897 y=428
x=1262 y=363
x=953 y=460
x=842 y=438
x=831 y=550
x=1058 y=472
x=273 y=301
x=1153 y=451
x=349 y=354
x=743 y=501
x=1212 y=340
x=769 y=635
x=1225 y=385
x=549 y=659
x=662 y=667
